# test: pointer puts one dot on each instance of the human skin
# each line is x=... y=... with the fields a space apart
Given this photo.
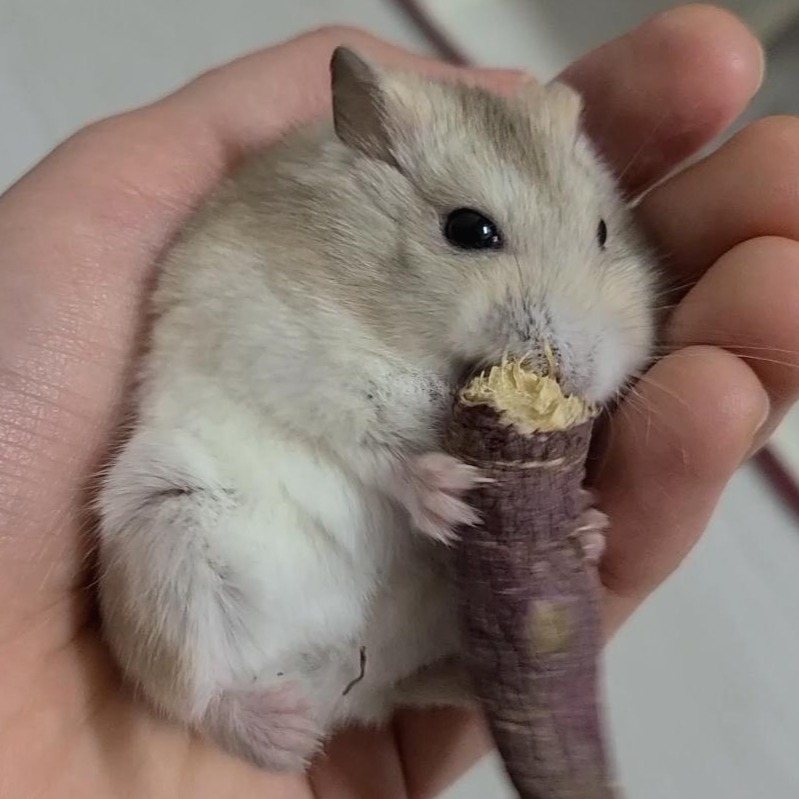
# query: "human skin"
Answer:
x=81 y=238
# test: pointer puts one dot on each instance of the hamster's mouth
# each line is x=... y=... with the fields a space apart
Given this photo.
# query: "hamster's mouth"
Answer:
x=467 y=371
x=542 y=359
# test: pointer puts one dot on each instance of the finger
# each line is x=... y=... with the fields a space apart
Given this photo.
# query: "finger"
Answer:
x=673 y=446
x=359 y=762
x=747 y=303
x=746 y=189
x=663 y=91
x=438 y=746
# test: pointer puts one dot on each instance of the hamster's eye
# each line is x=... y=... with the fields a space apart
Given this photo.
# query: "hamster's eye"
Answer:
x=602 y=233
x=468 y=229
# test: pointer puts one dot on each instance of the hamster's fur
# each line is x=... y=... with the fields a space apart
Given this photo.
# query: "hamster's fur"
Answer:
x=272 y=563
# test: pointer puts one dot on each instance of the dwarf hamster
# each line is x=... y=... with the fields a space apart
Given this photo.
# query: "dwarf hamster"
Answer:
x=272 y=544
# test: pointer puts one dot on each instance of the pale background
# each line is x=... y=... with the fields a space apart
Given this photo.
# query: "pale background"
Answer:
x=702 y=682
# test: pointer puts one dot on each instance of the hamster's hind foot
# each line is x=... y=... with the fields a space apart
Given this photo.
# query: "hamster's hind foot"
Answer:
x=271 y=728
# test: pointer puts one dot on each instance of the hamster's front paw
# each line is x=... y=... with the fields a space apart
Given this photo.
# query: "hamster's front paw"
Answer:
x=272 y=728
x=590 y=533
x=433 y=494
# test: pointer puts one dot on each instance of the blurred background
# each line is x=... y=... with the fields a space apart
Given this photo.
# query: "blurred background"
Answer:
x=702 y=682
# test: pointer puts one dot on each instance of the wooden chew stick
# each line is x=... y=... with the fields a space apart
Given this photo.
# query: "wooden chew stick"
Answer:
x=529 y=598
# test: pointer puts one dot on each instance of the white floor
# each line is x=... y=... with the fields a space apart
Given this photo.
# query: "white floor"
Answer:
x=703 y=681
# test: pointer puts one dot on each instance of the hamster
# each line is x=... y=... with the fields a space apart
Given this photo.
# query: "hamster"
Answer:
x=272 y=534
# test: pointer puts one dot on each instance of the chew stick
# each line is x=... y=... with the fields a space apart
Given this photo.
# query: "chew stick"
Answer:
x=529 y=598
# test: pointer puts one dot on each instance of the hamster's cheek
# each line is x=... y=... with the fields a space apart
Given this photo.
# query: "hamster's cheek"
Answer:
x=616 y=358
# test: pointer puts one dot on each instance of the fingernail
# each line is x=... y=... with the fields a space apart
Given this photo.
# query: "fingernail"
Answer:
x=765 y=419
x=760 y=436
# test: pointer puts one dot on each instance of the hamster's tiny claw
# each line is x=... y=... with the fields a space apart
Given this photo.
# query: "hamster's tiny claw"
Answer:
x=446 y=472
x=433 y=496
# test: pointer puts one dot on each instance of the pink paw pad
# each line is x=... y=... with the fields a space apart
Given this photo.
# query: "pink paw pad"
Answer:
x=436 y=484
x=273 y=728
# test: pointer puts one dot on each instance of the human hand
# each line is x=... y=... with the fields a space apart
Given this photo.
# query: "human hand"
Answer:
x=82 y=234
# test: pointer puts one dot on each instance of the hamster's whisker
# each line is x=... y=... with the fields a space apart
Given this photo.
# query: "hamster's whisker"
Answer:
x=651 y=414
x=669 y=307
x=678 y=289
x=519 y=270
x=757 y=358
x=752 y=351
x=648 y=380
x=653 y=418
x=645 y=142
x=737 y=345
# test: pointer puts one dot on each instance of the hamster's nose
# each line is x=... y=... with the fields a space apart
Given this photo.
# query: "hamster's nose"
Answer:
x=573 y=376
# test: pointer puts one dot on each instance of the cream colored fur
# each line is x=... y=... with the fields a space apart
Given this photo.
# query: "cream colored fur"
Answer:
x=259 y=526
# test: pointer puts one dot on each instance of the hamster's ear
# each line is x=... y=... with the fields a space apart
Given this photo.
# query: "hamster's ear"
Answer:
x=556 y=103
x=566 y=105
x=359 y=104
